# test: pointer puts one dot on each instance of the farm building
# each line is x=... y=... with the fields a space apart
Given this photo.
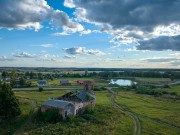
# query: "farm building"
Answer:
x=80 y=82
x=42 y=83
x=65 y=108
x=88 y=85
x=71 y=103
x=65 y=83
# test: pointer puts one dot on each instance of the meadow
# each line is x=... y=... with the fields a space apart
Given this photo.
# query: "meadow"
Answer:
x=157 y=115
x=105 y=118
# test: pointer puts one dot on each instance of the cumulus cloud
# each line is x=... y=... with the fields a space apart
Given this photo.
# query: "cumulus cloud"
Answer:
x=24 y=55
x=129 y=13
x=82 y=50
x=44 y=56
x=22 y=14
x=130 y=21
x=161 y=43
x=69 y=57
x=45 y=45
x=4 y=58
x=64 y=33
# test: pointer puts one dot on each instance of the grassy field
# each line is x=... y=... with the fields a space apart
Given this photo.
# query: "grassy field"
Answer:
x=157 y=115
x=175 y=88
x=105 y=118
x=144 y=80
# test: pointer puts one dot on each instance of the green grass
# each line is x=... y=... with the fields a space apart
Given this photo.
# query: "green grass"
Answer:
x=157 y=115
x=145 y=80
x=105 y=119
x=175 y=88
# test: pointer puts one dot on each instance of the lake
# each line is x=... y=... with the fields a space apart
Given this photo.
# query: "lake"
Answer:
x=122 y=82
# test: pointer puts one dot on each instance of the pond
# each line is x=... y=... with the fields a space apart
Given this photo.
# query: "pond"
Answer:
x=122 y=82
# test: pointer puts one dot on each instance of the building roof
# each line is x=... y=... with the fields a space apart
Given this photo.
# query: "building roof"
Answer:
x=78 y=96
x=82 y=95
x=41 y=82
x=80 y=81
x=56 y=103
x=64 y=81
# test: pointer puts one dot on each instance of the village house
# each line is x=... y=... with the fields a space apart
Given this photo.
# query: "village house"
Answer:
x=80 y=82
x=42 y=83
x=65 y=83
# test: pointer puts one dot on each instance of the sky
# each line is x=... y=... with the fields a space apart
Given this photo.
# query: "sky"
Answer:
x=90 y=33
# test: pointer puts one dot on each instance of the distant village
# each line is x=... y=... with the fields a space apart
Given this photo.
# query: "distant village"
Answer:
x=71 y=103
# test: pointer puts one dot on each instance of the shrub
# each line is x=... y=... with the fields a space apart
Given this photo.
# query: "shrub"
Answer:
x=166 y=86
x=173 y=93
x=50 y=116
x=133 y=86
x=40 y=89
x=164 y=92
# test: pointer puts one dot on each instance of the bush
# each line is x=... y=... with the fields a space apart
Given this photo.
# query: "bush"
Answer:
x=173 y=93
x=40 y=89
x=166 y=86
x=50 y=116
x=133 y=86
x=165 y=92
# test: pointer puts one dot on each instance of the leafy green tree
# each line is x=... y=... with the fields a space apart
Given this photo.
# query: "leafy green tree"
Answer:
x=22 y=81
x=9 y=104
x=14 y=74
x=13 y=82
x=31 y=75
x=4 y=74
x=0 y=83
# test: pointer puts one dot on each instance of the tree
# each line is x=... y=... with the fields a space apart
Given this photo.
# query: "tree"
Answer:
x=4 y=74
x=31 y=75
x=9 y=104
x=14 y=75
x=0 y=83
x=22 y=81
x=13 y=82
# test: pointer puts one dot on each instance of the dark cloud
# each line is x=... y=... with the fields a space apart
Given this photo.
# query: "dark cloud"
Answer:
x=133 y=21
x=22 y=14
x=82 y=50
x=129 y=14
x=161 y=43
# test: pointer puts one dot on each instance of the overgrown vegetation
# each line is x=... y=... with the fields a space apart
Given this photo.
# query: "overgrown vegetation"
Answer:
x=50 y=116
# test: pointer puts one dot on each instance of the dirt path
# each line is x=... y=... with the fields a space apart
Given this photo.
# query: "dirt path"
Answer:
x=137 y=125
